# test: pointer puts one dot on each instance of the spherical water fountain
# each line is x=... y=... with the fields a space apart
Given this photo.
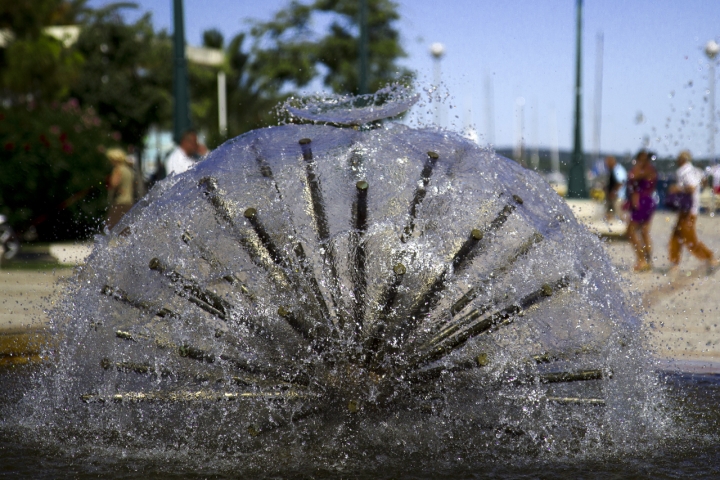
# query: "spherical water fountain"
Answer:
x=347 y=293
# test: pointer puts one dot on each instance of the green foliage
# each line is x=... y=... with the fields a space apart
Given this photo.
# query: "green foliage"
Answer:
x=40 y=67
x=49 y=154
x=288 y=53
x=125 y=76
x=34 y=63
x=213 y=38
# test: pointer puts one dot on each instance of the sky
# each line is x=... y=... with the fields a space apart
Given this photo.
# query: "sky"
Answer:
x=509 y=66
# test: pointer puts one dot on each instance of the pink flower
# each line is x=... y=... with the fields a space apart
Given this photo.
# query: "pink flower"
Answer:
x=55 y=130
x=116 y=136
x=67 y=147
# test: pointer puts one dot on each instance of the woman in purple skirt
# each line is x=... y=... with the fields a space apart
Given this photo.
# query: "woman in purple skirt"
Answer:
x=640 y=189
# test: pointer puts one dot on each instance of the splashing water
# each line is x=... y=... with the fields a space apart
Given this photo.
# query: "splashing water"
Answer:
x=319 y=297
x=352 y=110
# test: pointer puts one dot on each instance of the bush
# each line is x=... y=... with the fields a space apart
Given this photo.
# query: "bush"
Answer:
x=53 y=169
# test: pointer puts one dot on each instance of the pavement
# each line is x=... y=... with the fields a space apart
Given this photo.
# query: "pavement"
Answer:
x=681 y=310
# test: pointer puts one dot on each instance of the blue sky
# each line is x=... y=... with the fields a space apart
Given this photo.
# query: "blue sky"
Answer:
x=655 y=76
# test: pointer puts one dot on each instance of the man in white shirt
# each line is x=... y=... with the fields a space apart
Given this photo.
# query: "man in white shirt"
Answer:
x=684 y=235
x=181 y=158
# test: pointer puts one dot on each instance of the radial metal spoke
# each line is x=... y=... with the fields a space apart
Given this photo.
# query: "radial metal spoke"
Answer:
x=214 y=262
x=317 y=334
x=308 y=274
x=473 y=293
x=577 y=376
x=471 y=247
x=107 y=364
x=316 y=197
x=359 y=274
x=122 y=296
x=375 y=339
x=419 y=195
x=251 y=214
x=198 y=354
x=549 y=357
x=227 y=214
x=206 y=300
x=319 y=214
x=576 y=401
x=430 y=374
x=184 y=396
x=186 y=351
x=476 y=323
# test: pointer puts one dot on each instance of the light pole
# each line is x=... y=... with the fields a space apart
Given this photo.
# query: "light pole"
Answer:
x=363 y=87
x=213 y=57
x=437 y=50
x=181 y=91
x=711 y=50
x=576 y=180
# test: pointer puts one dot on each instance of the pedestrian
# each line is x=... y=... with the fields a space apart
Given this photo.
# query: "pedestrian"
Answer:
x=615 y=188
x=185 y=154
x=714 y=172
x=688 y=184
x=120 y=187
x=641 y=183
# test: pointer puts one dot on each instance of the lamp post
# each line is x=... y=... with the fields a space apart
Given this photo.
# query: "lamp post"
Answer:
x=711 y=50
x=576 y=180
x=437 y=50
x=213 y=57
x=363 y=53
x=181 y=91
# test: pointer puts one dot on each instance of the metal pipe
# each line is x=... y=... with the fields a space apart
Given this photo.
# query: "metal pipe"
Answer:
x=419 y=195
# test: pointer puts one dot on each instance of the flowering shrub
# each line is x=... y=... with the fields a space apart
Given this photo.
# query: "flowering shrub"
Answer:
x=53 y=168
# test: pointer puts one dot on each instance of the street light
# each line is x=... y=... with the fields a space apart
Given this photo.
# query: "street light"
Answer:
x=576 y=179
x=213 y=57
x=437 y=50
x=711 y=50
x=181 y=90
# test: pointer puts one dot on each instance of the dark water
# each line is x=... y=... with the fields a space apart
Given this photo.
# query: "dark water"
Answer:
x=689 y=451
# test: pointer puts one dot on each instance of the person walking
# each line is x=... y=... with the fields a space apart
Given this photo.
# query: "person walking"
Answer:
x=120 y=187
x=688 y=184
x=615 y=188
x=641 y=183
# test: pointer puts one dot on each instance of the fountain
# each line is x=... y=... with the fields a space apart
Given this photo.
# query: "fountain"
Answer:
x=346 y=293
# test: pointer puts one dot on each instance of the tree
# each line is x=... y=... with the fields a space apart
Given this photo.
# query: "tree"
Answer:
x=126 y=75
x=52 y=162
x=33 y=64
x=288 y=53
x=53 y=168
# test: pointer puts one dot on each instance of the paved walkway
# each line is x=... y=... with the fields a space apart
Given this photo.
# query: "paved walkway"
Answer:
x=682 y=310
